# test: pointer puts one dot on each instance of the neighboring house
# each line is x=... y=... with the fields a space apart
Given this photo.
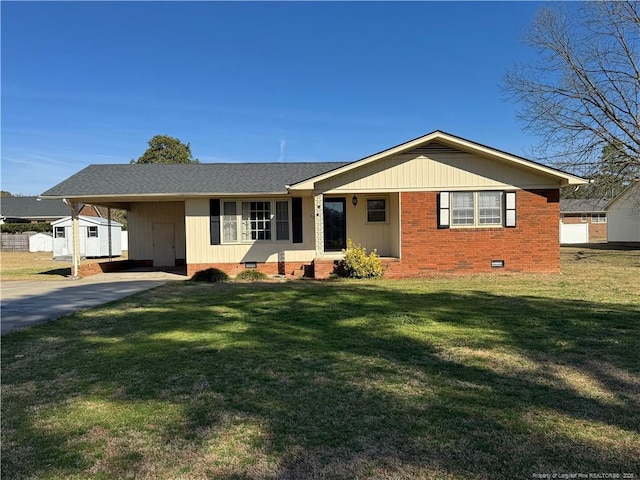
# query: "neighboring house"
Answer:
x=435 y=204
x=583 y=220
x=624 y=215
x=98 y=237
x=37 y=210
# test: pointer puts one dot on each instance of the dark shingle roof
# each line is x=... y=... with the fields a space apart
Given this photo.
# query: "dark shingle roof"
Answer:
x=140 y=179
x=32 y=208
x=582 y=205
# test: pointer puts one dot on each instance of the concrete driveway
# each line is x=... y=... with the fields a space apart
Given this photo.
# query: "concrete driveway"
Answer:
x=26 y=303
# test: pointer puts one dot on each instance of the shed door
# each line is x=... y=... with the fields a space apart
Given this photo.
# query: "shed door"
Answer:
x=164 y=245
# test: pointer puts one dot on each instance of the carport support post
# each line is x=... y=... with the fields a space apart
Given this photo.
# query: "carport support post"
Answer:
x=75 y=235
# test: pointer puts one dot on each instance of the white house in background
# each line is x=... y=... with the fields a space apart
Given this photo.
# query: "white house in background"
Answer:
x=94 y=237
x=623 y=215
x=41 y=242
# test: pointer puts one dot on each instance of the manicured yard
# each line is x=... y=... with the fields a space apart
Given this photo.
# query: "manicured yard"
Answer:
x=504 y=376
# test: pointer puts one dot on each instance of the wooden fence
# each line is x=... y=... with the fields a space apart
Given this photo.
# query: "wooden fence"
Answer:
x=15 y=242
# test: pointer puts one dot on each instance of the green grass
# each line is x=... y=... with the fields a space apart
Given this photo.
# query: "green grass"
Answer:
x=482 y=377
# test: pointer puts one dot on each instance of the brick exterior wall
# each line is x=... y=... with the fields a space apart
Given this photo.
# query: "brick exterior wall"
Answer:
x=532 y=246
x=597 y=231
x=289 y=269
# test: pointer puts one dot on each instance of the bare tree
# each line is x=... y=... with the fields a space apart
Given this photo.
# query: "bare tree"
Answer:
x=582 y=94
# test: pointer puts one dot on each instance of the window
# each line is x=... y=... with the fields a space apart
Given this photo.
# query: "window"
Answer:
x=598 y=218
x=282 y=220
x=468 y=209
x=59 y=232
x=462 y=208
x=245 y=222
x=583 y=218
x=489 y=208
x=229 y=222
x=92 y=232
x=377 y=210
x=256 y=221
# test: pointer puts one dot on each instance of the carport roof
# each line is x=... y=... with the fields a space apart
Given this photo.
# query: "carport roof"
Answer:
x=184 y=179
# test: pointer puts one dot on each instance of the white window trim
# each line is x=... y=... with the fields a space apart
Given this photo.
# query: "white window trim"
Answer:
x=272 y=218
x=386 y=209
x=598 y=218
x=90 y=229
x=476 y=210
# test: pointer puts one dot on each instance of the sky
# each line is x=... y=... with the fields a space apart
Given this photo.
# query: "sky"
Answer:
x=92 y=82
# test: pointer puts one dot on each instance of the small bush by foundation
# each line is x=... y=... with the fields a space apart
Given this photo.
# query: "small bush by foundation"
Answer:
x=357 y=264
x=251 y=275
x=211 y=275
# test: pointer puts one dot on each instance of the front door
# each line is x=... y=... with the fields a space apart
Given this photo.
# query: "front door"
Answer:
x=335 y=224
x=164 y=245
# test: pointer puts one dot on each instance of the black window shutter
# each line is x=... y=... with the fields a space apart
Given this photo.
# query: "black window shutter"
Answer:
x=214 y=208
x=296 y=219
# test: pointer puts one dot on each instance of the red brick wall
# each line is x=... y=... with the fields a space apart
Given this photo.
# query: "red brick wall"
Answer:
x=290 y=269
x=532 y=246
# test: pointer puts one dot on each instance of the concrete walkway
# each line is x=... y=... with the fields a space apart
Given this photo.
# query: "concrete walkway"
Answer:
x=29 y=302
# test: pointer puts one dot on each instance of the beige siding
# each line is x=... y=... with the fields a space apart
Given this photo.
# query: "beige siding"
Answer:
x=434 y=168
x=141 y=218
x=383 y=237
x=201 y=251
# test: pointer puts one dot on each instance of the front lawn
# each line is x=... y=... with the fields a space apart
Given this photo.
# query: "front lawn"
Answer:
x=506 y=376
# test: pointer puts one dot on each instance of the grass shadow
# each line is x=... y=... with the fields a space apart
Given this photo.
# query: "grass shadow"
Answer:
x=63 y=272
x=330 y=380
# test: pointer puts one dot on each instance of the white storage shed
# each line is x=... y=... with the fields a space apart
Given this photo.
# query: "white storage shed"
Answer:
x=41 y=242
x=95 y=235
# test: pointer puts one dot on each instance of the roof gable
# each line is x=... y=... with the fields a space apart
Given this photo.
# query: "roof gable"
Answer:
x=633 y=187
x=457 y=143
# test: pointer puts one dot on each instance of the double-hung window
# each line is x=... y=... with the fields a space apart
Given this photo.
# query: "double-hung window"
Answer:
x=248 y=221
x=472 y=209
x=92 y=232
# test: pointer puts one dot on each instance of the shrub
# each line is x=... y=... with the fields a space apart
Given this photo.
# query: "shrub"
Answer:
x=211 y=275
x=26 y=227
x=251 y=275
x=357 y=264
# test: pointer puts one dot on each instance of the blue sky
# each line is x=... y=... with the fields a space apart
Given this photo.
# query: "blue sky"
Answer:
x=92 y=82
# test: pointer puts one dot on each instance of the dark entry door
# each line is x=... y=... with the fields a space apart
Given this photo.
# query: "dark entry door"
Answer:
x=335 y=224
